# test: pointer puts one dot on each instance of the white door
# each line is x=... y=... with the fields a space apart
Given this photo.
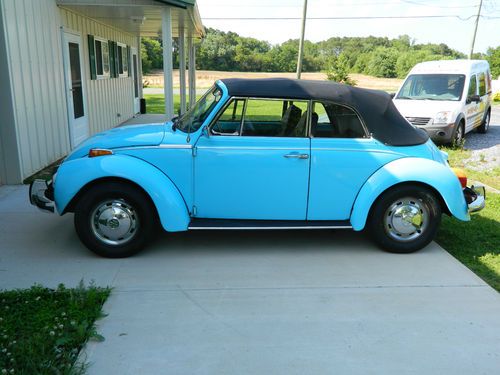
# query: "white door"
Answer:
x=75 y=88
x=135 y=78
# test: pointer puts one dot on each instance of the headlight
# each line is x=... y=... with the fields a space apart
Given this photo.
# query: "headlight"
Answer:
x=442 y=118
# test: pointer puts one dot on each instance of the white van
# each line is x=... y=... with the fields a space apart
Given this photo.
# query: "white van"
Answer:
x=447 y=98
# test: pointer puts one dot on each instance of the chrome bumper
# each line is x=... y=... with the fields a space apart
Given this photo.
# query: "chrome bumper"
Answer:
x=475 y=196
x=42 y=195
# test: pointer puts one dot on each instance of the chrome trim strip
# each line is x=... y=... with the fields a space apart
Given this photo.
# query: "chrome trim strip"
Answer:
x=253 y=148
x=186 y=147
x=267 y=228
x=175 y=146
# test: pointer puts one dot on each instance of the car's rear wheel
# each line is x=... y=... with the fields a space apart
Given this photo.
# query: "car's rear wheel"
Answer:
x=404 y=219
x=115 y=220
x=485 y=125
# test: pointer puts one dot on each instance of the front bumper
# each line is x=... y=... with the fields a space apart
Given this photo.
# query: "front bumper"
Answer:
x=42 y=195
x=439 y=133
x=475 y=196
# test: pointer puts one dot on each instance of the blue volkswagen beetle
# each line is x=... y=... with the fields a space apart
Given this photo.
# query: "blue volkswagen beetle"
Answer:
x=262 y=154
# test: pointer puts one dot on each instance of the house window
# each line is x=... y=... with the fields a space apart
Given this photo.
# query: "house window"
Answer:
x=101 y=58
x=122 y=60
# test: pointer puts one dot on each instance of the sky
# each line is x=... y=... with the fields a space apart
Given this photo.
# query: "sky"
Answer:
x=454 y=29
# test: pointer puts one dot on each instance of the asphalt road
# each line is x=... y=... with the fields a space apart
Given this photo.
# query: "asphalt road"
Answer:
x=476 y=141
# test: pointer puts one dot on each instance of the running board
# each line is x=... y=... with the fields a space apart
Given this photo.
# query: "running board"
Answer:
x=212 y=224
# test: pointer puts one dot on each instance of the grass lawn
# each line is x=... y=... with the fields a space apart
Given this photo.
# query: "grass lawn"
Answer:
x=155 y=103
x=476 y=243
x=43 y=330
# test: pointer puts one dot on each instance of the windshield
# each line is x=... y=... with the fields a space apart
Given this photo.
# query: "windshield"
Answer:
x=194 y=118
x=432 y=87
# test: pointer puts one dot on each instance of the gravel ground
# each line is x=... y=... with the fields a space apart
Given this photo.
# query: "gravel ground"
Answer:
x=485 y=147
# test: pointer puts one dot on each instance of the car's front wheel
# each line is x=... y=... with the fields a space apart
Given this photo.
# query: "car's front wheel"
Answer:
x=404 y=219
x=115 y=220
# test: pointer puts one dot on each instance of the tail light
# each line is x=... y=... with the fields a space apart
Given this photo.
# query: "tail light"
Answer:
x=461 y=176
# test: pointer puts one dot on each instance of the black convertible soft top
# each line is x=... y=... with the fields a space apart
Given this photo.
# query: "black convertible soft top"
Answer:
x=376 y=108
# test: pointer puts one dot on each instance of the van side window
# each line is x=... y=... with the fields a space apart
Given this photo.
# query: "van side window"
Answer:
x=482 y=84
x=472 y=86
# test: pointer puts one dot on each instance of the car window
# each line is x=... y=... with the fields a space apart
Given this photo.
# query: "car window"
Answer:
x=229 y=122
x=330 y=120
x=191 y=120
x=482 y=84
x=275 y=118
x=472 y=86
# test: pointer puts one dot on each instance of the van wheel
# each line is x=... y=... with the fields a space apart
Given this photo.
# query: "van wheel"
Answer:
x=404 y=219
x=458 y=134
x=115 y=220
x=485 y=125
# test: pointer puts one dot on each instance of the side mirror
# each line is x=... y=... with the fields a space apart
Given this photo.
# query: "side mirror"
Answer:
x=392 y=94
x=473 y=98
x=204 y=132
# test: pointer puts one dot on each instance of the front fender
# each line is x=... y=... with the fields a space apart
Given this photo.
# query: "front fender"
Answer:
x=424 y=171
x=73 y=175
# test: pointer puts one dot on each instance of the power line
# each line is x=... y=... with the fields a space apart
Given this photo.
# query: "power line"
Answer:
x=341 y=18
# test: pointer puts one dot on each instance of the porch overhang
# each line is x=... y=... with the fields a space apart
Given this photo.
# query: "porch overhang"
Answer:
x=141 y=17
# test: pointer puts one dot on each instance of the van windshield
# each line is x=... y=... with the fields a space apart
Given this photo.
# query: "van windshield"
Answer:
x=432 y=87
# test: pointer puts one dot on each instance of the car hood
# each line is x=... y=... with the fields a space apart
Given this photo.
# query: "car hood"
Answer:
x=424 y=108
x=124 y=136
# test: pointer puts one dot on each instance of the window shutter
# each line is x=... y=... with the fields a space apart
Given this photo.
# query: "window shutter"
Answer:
x=93 y=74
x=117 y=62
x=112 y=70
x=129 y=61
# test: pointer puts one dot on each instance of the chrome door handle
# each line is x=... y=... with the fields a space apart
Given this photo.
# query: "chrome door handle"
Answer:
x=297 y=156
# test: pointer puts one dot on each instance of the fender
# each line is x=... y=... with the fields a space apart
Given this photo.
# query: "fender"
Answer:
x=426 y=171
x=75 y=174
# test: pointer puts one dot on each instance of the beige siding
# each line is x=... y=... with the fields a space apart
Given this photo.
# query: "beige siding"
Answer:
x=35 y=61
x=110 y=100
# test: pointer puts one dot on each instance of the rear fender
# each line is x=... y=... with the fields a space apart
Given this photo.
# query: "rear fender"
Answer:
x=76 y=174
x=406 y=170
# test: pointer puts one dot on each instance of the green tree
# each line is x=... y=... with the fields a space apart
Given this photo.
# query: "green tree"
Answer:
x=151 y=54
x=338 y=70
x=493 y=57
x=383 y=62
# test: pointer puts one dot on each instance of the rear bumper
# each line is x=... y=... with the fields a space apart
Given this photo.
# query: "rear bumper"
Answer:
x=475 y=196
x=41 y=195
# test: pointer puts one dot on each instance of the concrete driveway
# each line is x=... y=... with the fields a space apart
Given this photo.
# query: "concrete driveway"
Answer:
x=305 y=302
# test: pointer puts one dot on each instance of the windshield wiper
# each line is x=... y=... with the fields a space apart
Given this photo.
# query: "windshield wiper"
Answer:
x=405 y=97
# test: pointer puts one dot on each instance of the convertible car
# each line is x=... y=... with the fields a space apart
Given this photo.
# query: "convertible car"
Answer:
x=262 y=154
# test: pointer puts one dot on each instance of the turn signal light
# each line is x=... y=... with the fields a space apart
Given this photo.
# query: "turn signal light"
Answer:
x=461 y=176
x=99 y=152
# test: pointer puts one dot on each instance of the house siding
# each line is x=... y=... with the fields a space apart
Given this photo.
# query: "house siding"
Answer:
x=33 y=45
x=34 y=121
x=110 y=100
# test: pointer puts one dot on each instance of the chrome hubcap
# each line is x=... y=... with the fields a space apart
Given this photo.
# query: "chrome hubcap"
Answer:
x=406 y=219
x=114 y=222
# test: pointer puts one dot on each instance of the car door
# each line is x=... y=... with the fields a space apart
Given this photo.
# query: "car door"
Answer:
x=253 y=162
x=343 y=157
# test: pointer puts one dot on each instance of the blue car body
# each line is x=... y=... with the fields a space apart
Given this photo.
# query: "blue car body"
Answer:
x=197 y=175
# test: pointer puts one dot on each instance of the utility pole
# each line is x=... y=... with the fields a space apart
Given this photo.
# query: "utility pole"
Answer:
x=475 y=30
x=301 y=42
